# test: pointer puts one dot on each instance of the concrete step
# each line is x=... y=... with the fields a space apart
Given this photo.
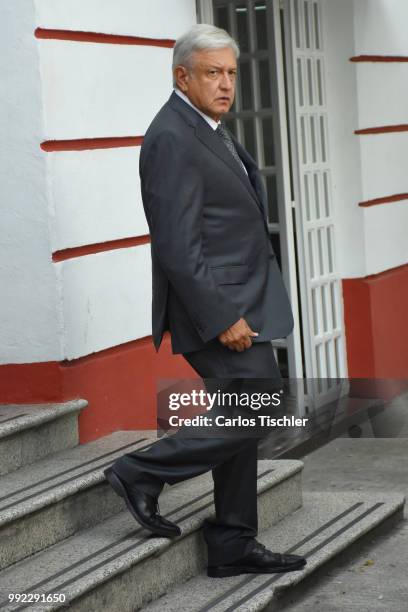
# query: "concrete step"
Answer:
x=55 y=497
x=324 y=424
x=326 y=525
x=118 y=566
x=29 y=432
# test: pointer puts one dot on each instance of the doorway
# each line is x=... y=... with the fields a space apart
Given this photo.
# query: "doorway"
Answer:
x=280 y=117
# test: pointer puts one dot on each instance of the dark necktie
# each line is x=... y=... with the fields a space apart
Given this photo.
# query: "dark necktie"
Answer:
x=225 y=135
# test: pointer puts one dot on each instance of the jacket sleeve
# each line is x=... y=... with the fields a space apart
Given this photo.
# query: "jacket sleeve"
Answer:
x=172 y=191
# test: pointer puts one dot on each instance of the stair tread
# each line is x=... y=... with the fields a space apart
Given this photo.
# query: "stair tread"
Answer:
x=17 y=417
x=64 y=473
x=89 y=558
x=325 y=525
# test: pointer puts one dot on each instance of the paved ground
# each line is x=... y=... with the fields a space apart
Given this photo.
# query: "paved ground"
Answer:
x=376 y=578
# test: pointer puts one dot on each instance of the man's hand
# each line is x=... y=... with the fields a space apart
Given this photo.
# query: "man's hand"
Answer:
x=238 y=336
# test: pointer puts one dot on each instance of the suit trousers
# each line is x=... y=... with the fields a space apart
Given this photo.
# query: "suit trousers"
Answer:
x=233 y=460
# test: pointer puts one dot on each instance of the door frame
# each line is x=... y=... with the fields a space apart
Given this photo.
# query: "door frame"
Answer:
x=302 y=343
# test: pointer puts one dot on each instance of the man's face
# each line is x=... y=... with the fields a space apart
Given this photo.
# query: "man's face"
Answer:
x=210 y=84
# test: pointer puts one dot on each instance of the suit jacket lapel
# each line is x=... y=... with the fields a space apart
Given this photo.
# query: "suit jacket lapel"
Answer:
x=211 y=140
x=216 y=145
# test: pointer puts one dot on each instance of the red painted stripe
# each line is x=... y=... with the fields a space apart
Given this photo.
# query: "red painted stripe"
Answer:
x=89 y=249
x=119 y=383
x=375 y=310
x=30 y=383
x=81 y=144
x=384 y=200
x=383 y=129
x=99 y=37
x=379 y=58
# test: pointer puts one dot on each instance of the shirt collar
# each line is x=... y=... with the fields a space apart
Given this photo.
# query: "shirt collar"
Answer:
x=211 y=122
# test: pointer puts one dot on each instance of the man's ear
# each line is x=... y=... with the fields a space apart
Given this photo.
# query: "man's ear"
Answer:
x=182 y=77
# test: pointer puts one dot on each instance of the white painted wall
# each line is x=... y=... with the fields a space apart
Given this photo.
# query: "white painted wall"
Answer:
x=345 y=164
x=382 y=93
x=106 y=299
x=94 y=90
x=95 y=196
x=364 y=167
x=380 y=29
x=384 y=169
x=385 y=229
x=30 y=319
x=151 y=18
x=51 y=201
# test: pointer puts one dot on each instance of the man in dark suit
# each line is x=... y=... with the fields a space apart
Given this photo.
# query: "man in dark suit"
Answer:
x=216 y=287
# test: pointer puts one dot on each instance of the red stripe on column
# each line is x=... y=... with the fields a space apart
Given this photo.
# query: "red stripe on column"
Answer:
x=379 y=58
x=89 y=249
x=81 y=144
x=99 y=37
x=383 y=129
x=30 y=383
x=384 y=200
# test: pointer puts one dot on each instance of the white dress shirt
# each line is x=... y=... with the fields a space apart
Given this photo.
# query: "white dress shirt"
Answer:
x=211 y=122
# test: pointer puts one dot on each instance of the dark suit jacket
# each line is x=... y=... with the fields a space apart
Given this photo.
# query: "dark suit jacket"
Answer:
x=212 y=258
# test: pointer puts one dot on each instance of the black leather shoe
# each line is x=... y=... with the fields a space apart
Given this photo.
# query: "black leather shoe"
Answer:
x=259 y=561
x=143 y=507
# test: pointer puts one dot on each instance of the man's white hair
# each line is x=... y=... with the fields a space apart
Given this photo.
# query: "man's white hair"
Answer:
x=199 y=37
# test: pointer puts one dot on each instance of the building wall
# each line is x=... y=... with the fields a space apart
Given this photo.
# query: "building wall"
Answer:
x=367 y=72
x=84 y=81
x=342 y=102
x=94 y=90
x=382 y=88
x=30 y=312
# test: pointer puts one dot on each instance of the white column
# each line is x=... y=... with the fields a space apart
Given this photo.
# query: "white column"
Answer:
x=30 y=315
